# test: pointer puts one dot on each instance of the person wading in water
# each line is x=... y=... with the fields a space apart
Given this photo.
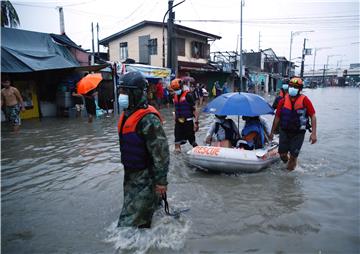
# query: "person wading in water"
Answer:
x=293 y=113
x=144 y=153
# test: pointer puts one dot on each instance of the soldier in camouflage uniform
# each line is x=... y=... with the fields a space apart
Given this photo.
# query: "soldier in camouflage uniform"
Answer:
x=144 y=153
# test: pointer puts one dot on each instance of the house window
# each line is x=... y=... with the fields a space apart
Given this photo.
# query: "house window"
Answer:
x=153 y=46
x=180 y=45
x=200 y=50
x=123 y=50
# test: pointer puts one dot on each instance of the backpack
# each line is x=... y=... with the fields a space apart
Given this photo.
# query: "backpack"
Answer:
x=230 y=133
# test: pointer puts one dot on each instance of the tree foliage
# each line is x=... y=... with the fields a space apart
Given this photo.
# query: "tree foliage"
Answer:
x=9 y=16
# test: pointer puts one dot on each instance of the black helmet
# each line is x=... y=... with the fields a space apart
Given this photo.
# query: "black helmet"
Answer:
x=135 y=85
x=285 y=81
x=133 y=80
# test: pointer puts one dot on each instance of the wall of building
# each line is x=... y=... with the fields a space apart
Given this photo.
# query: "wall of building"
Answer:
x=187 y=57
x=80 y=56
x=132 y=40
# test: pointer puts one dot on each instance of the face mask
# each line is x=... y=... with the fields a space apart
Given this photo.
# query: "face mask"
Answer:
x=293 y=91
x=178 y=92
x=285 y=87
x=123 y=101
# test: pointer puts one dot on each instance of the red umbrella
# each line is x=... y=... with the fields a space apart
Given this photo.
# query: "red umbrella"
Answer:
x=88 y=83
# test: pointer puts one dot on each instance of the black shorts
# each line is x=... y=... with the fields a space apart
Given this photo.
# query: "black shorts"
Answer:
x=90 y=106
x=291 y=142
x=184 y=132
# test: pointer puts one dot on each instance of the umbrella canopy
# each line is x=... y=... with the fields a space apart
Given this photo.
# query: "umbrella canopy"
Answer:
x=88 y=83
x=243 y=104
x=187 y=79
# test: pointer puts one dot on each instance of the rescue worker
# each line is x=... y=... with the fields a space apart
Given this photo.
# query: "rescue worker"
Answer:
x=224 y=131
x=144 y=153
x=185 y=112
x=293 y=113
x=283 y=90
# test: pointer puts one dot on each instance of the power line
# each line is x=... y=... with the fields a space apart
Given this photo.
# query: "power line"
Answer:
x=196 y=13
x=56 y=3
x=81 y=12
x=33 y=5
x=81 y=3
x=275 y=22
x=336 y=17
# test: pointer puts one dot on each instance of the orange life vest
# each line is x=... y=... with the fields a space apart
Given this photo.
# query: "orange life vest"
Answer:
x=293 y=117
x=134 y=154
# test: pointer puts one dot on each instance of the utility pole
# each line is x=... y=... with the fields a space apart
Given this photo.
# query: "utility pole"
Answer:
x=314 y=63
x=62 y=23
x=97 y=34
x=259 y=41
x=237 y=43
x=327 y=63
x=174 y=63
x=338 y=64
x=241 y=58
x=315 y=51
x=303 y=60
x=291 y=42
x=170 y=33
x=92 y=43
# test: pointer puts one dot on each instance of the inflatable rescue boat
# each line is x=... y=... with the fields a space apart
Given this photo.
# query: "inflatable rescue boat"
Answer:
x=232 y=160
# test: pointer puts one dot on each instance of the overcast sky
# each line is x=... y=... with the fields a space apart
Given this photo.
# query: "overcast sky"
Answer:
x=335 y=23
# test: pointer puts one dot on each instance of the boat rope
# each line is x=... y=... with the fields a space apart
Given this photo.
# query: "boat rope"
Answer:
x=175 y=214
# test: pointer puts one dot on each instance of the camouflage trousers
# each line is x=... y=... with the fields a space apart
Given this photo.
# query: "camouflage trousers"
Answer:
x=140 y=200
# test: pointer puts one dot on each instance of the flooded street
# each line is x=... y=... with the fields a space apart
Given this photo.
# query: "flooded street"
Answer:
x=61 y=190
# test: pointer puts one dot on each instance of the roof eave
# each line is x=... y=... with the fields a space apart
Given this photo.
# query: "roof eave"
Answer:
x=106 y=40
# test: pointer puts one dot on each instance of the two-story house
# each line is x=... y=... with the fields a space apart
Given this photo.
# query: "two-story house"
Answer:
x=146 y=43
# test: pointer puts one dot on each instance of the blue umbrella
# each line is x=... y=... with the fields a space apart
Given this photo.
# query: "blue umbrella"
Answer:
x=243 y=104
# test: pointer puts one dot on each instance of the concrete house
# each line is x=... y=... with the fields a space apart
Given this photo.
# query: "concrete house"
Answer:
x=146 y=43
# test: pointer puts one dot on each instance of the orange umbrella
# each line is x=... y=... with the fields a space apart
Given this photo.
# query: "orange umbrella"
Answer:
x=88 y=83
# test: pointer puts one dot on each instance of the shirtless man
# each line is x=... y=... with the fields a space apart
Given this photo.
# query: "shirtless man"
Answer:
x=11 y=97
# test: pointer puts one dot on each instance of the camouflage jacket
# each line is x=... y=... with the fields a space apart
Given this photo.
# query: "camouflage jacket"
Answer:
x=150 y=128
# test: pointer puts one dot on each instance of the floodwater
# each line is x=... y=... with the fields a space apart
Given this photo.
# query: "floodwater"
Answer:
x=61 y=190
